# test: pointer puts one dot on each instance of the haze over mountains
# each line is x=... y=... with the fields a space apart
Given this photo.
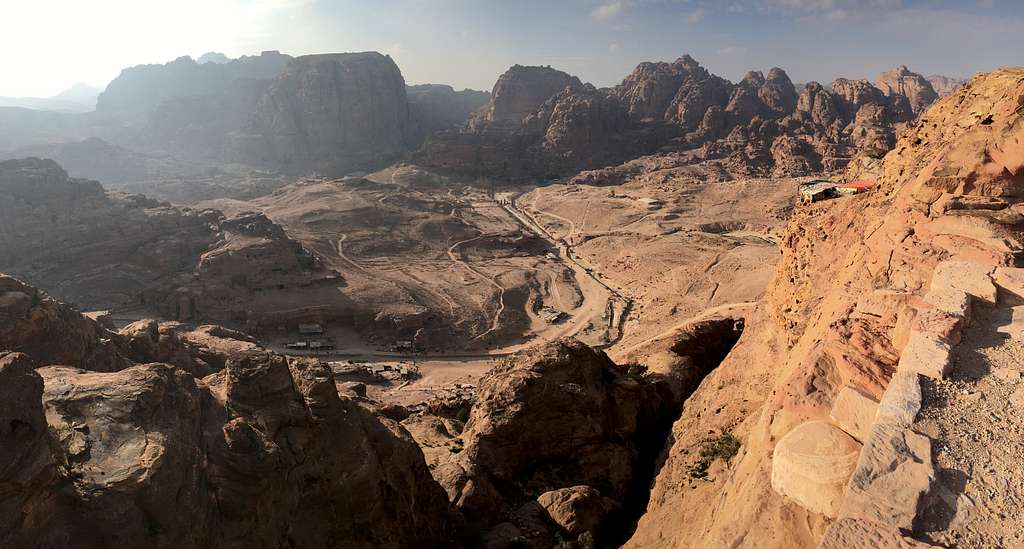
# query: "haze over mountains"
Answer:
x=280 y=301
x=172 y=120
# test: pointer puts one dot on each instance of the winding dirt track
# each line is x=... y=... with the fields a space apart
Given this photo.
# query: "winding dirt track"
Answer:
x=496 y=321
x=590 y=309
x=341 y=253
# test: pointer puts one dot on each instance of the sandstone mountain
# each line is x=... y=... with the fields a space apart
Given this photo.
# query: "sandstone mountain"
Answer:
x=107 y=250
x=915 y=88
x=138 y=452
x=332 y=113
x=945 y=85
x=143 y=88
x=544 y=123
x=825 y=387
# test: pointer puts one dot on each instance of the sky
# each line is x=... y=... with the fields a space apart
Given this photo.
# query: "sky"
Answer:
x=49 y=45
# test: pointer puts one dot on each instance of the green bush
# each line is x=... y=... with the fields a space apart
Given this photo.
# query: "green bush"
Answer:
x=725 y=447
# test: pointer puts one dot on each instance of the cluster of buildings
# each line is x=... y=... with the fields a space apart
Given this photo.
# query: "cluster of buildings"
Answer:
x=824 y=189
x=311 y=338
x=552 y=315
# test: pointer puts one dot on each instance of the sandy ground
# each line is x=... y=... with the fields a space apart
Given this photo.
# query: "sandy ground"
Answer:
x=435 y=375
x=624 y=264
x=673 y=246
x=977 y=421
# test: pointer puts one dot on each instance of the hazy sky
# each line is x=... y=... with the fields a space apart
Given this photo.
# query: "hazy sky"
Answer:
x=47 y=45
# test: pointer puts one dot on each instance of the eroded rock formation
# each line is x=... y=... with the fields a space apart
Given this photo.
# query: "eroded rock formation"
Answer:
x=334 y=113
x=260 y=453
x=104 y=250
x=864 y=302
x=760 y=125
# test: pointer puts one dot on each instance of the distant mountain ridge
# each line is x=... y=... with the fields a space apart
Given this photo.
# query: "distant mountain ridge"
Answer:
x=544 y=123
x=78 y=98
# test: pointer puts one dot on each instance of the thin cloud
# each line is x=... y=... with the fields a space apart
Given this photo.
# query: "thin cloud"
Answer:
x=607 y=11
x=731 y=51
x=695 y=16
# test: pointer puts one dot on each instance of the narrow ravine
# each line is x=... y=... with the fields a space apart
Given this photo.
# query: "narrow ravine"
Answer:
x=706 y=344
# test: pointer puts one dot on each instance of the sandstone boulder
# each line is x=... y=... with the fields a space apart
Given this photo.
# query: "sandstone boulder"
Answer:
x=558 y=416
x=894 y=473
x=926 y=354
x=969 y=277
x=854 y=413
x=902 y=399
x=850 y=533
x=812 y=464
x=576 y=510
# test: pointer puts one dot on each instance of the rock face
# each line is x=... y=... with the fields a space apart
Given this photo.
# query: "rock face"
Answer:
x=759 y=126
x=562 y=416
x=436 y=107
x=262 y=453
x=945 y=85
x=853 y=286
x=518 y=93
x=105 y=250
x=331 y=114
x=916 y=88
x=334 y=112
x=144 y=87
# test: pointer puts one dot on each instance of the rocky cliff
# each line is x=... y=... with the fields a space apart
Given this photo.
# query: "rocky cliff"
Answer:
x=436 y=107
x=759 y=126
x=334 y=113
x=945 y=85
x=331 y=113
x=260 y=453
x=143 y=88
x=868 y=304
x=104 y=250
x=915 y=88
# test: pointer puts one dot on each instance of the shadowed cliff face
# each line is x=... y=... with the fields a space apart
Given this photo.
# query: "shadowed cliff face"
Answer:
x=334 y=113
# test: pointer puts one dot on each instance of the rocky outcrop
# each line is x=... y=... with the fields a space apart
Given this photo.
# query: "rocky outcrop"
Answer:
x=334 y=113
x=945 y=85
x=538 y=122
x=518 y=93
x=558 y=417
x=866 y=303
x=107 y=250
x=915 y=88
x=142 y=88
x=759 y=126
x=262 y=453
x=649 y=90
x=435 y=107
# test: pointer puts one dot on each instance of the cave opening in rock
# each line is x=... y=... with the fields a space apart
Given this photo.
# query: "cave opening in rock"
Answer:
x=702 y=346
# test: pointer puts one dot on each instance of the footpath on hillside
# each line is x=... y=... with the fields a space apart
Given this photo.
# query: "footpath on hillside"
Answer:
x=976 y=419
